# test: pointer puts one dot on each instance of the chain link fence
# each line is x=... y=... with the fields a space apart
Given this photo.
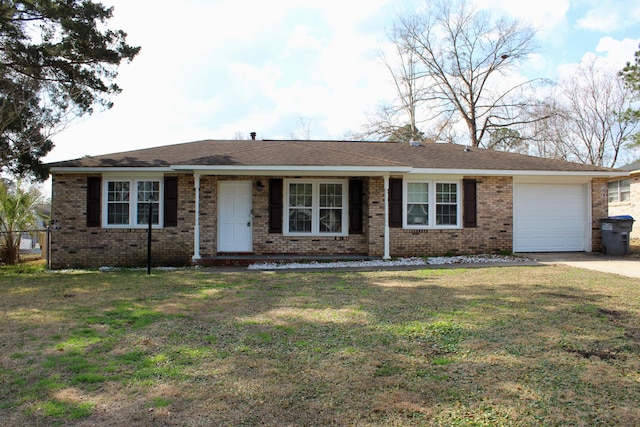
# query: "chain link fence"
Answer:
x=33 y=242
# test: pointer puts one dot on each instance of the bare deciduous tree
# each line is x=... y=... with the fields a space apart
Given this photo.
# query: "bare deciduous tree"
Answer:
x=453 y=60
x=303 y=130
x=589 y=124
x=392 y=120
x=507 y=139
x=546 y=138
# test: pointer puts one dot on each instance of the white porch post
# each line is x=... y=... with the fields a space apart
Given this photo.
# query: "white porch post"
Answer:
x=386 y=218
x=196 y=227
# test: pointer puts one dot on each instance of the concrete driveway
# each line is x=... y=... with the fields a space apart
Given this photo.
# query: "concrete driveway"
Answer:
x=628 y=265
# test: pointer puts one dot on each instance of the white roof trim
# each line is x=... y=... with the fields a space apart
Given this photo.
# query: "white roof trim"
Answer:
x=69 y=169
x=379 y=169
x=331 y=170
x=295 y=170
x=504 y=172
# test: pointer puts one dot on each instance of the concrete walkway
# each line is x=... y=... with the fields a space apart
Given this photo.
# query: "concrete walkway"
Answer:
x=628 y=265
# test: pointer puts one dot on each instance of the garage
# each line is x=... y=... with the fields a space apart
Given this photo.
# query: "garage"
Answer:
x=550 y=218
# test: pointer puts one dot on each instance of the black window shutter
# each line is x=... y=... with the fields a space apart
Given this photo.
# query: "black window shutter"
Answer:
x=469 y=203
x=93 y=201
x=171 y=201
x=275 y=205
x=355 y=206
x=395 y=202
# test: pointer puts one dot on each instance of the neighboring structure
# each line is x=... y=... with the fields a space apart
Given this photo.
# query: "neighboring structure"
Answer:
x=624 y=196
x=379 y=199
x=33 y=241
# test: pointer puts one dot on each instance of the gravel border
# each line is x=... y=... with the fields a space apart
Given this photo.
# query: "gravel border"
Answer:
x=413 y=261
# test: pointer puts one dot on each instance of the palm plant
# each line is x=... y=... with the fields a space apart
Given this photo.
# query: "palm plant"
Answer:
x=17 y=213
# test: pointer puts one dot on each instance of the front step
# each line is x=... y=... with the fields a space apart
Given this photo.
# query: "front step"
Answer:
x=222 y=260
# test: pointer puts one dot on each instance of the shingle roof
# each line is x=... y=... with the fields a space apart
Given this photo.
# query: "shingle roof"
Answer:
x=631 y=167
x=339 y=154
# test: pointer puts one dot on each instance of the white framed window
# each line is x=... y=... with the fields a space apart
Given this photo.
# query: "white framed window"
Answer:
x=316 y=207
x=432 y=204
x=447 y=203
x=620 y=191
x=126 y=202
x=417 y=203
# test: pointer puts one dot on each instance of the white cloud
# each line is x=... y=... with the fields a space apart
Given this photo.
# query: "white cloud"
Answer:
x=536 y=62
x=618 y=52
x=609 y=16
x=599 y=19
x=303 y=37
x=544 y=15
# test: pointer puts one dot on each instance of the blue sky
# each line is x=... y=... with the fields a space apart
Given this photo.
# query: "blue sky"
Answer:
x=222 y=68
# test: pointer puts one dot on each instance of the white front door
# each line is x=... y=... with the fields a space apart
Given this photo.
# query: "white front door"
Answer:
x=234 y=216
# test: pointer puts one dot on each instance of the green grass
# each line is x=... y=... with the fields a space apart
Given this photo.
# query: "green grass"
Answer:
x=71 y=411
x=161 y=402
x=512 y=346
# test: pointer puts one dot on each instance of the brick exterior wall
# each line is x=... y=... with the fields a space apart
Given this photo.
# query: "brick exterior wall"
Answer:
x=208 y=215
x=492 y=234
x=272 y=243
x=374 y=216
x=265 y=243
x=76 y=245
x=632 y=207
x=73 y=244
x=599 y=209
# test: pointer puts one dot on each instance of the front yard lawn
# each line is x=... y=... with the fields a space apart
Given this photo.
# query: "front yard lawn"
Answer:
x=512 y=346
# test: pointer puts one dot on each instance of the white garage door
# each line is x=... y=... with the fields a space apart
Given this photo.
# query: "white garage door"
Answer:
x=550 y=218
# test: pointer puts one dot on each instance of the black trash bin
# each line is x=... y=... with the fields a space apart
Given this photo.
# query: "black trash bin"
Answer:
x=616 y=231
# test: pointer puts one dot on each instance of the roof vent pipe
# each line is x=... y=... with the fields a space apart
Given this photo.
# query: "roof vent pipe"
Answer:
x=253 y=135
